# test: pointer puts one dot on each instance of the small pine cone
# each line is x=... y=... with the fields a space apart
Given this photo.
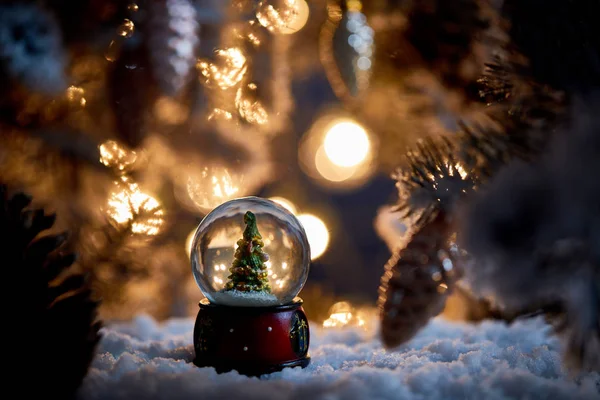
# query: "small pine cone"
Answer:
x=416 y=282
x=173 y=38
x=51 y=319
x=31 y=49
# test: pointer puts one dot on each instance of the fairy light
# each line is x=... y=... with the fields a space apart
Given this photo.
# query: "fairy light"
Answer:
x=250 y=109
x=346 y=144
x=129 y=202
x=115 y=155
x=126 y=29
x=316 y=233
x=213 y=186
x=75 y=94
x=228 y=71
x=287 y=17
x=285 y=203
x=343 y=314
x=219 y=114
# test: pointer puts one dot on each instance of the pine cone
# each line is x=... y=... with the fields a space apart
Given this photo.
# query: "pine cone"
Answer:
x=54 y=328
x=416 y=283
x=31 y=49
x=173 y=38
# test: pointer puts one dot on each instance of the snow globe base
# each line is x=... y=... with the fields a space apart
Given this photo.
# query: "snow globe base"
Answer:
x=251 y=340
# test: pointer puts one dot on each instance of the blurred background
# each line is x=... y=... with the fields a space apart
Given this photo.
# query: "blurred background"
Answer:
x=132 y=120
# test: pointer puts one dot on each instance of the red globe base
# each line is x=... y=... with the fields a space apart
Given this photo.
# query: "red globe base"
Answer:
x=251 y=340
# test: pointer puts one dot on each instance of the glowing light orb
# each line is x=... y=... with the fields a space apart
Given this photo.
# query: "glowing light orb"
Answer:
x=115 y=155
x=283 y=16
x=330 y=171
x=128 y=205
x=285 y=203
x=212 y=186
x=317 y=233
x=346 y=144
x=227 y=70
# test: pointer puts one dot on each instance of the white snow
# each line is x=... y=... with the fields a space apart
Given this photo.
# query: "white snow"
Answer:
x=145 y=360
x=245 y=299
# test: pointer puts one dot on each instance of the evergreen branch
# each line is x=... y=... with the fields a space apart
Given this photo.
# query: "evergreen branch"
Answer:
x=433 y=180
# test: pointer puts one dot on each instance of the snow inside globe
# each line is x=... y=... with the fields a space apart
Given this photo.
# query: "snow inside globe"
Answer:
x=250 y=252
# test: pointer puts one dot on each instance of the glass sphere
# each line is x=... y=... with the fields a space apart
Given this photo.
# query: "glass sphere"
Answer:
x=250 y=252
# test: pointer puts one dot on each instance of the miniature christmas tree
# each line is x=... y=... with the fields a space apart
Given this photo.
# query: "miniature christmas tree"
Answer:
x=248 y=270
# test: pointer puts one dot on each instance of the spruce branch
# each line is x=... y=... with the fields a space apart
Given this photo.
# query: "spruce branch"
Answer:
x=432 y=180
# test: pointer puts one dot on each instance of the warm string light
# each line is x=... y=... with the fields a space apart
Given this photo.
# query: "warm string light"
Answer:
x=124 y=31
x=227 y=71
x=346 y=144
x=213 y=186
x=219 y=115
x=344 y=314
x=250 y=109
x=338 y=152
x=115 y=155
x=128 y=205
x=285 y=17
x=316 y=233
x=75 y=95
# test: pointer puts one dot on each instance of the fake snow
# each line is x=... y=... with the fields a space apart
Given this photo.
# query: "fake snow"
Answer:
x=245 y=299
x=143 y=360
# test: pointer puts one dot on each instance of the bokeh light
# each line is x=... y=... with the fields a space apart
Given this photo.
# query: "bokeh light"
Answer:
x=346 y=144
x=317 y=233
x=283 y=16
x=128 y=205
x=227 y=70
x=211 y=186
x=338 y=152
x=116 y=155
x=342 y=314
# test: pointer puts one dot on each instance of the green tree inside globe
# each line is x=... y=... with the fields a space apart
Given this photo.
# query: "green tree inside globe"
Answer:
x=248 y=270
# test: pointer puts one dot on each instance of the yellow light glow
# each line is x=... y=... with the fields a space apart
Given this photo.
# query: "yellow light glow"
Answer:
x=126 y=29
x=330 y=171
x=342 y=314
x=219 y=114
x=115 y=155
x=129 y=205
x=346 y=144
x=289 y=16
x=285 y=203
x=249 y=107
x=317 y=234
x=213 y=186
x=76 y=94
x=228 y=69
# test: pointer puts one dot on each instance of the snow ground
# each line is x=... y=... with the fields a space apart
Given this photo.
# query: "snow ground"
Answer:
x=146 y=360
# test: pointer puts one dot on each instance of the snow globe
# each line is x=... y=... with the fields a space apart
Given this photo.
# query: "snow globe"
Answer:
x=250 y=258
